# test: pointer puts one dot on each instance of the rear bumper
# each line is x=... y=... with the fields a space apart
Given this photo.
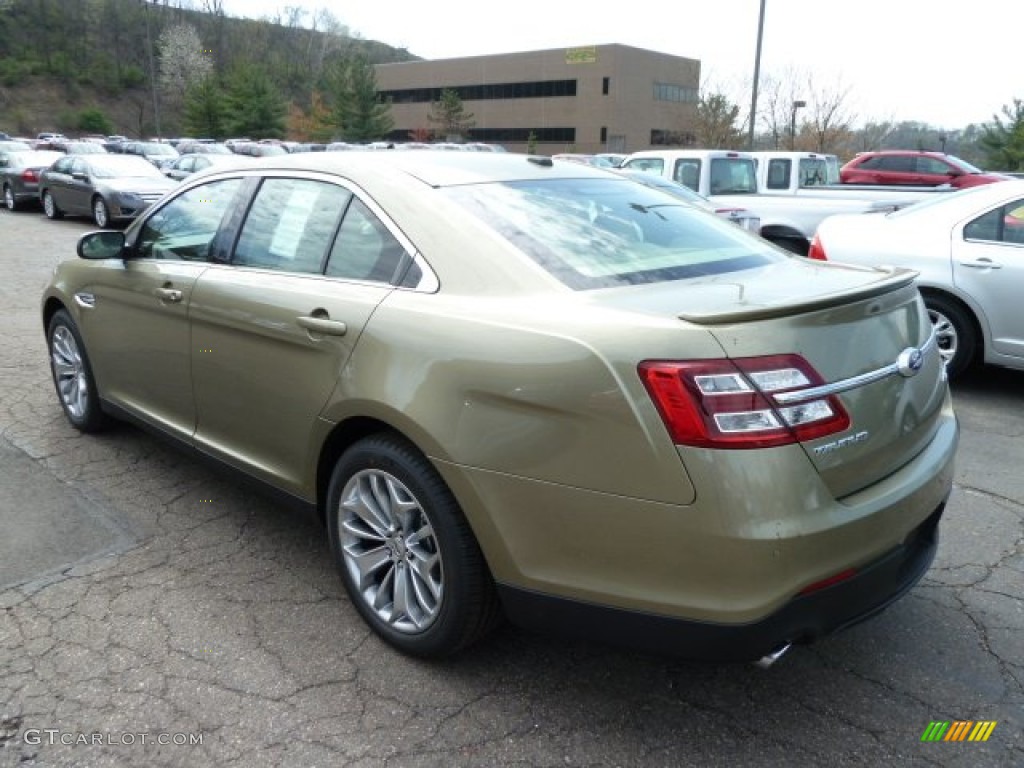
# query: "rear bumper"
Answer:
x=801 y=620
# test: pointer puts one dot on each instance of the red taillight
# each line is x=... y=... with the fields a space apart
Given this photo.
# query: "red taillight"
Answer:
x=731 y=404
x=817 y=250
x=29 y=175
x=849 y=573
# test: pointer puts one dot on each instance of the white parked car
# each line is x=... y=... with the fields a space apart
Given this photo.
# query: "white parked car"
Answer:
x=968 y=247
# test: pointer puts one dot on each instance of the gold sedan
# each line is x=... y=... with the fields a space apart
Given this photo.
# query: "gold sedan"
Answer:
x=516 y=387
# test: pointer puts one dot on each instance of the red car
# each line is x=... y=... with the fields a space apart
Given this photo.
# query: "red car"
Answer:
x=914 y=168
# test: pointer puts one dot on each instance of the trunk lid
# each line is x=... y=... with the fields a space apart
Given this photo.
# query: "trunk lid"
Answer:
x=857 y=328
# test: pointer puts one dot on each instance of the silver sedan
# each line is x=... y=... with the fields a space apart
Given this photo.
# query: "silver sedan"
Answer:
x=968 y=248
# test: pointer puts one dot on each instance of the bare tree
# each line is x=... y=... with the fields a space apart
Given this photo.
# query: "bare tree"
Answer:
x=828 y=125
x=183 y=61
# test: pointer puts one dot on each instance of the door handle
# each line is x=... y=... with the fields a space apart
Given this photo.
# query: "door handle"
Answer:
x=982 y=263
x=322 y=325
x=169 y=294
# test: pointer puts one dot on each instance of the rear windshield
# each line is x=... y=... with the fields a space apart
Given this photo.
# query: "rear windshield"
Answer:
x=598 y=233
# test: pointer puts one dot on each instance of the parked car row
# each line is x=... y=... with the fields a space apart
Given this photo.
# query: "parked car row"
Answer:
x=969 y=250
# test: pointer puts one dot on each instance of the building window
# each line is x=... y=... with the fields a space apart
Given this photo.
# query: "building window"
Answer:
x=604 y=87
x=679 y=93
x=604 y=133
x=500 y=135
x=538 y=89
x=672 y=139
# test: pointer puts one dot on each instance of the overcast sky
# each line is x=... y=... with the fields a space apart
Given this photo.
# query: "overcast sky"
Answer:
x=943 y=63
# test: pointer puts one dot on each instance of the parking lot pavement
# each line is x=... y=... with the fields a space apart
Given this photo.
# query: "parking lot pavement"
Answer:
x=165 y=615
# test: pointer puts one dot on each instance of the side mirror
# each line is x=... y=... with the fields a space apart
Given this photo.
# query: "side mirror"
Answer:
x=80 y=176
x=101 y=245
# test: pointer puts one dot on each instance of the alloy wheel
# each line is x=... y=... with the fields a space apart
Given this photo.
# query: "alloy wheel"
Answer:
x=69 y=372
x=391 y=551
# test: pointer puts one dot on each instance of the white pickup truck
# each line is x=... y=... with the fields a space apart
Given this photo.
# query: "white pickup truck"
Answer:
x=730 y=178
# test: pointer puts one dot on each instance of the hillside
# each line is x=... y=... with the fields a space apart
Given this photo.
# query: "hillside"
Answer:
x=62 y=58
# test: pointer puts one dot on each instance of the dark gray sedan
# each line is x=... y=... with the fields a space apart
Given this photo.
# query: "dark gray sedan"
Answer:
x=109 y=188
x=19 y=176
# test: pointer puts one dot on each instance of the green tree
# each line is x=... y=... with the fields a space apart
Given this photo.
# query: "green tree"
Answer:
x=450 y=116
x=358 y=111
x=94 y=120
x=1003 y=142
x=716 y=125
x=255 y=107
x=205 y=110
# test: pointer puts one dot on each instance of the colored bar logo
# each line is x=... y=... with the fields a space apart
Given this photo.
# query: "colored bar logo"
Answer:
x=959 y=730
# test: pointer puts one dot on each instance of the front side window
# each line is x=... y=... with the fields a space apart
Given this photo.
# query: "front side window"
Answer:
x=185 y=227
x=932 y=166
x=687 y=173
x=599 y=233
x=290 y=225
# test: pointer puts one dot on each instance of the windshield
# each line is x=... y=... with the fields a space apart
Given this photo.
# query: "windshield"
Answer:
x=153 y=148
x=963 y=165
x=599 y=233
x=814 y=172
x=122 y=166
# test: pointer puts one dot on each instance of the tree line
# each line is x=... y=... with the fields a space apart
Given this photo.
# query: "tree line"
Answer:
x=794 y=112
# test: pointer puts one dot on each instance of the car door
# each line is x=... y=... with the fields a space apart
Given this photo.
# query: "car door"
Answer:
x=78 y=194
x=272 y=332
x=988 y=265
x=138 y=308
x=58 y=181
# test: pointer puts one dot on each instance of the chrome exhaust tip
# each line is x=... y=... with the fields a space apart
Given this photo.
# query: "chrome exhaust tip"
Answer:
x=770 y=658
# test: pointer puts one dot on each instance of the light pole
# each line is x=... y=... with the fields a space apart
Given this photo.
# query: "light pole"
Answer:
x=757 y=75
x=792 y=123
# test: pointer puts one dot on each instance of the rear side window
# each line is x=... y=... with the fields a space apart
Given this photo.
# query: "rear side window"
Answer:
x=598 y=233
x=290 y=225
x=365 y=249
x=778 y=173
x=896 y=164
x=1002 y=225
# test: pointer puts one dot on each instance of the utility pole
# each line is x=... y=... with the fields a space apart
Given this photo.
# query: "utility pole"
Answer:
x=152 y=71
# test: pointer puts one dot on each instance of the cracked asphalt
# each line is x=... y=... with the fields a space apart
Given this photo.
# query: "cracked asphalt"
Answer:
x=147 y=600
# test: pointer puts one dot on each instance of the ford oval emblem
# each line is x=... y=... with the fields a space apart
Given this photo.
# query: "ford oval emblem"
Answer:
x=909 y=362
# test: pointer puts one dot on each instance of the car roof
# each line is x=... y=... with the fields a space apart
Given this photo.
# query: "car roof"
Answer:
x=436 y=169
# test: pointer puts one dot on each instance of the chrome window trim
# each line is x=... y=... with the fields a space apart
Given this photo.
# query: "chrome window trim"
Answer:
x=845 y=385
x=428 y=283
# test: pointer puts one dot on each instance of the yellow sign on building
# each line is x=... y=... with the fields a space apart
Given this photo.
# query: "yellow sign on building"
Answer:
x=585 y=55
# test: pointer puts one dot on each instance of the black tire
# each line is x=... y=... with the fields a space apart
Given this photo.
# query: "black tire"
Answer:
x=100 y=212
x=50 y=207
x=955 y=333
x=416 y=543
x=72 y=375
x=10 y=201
